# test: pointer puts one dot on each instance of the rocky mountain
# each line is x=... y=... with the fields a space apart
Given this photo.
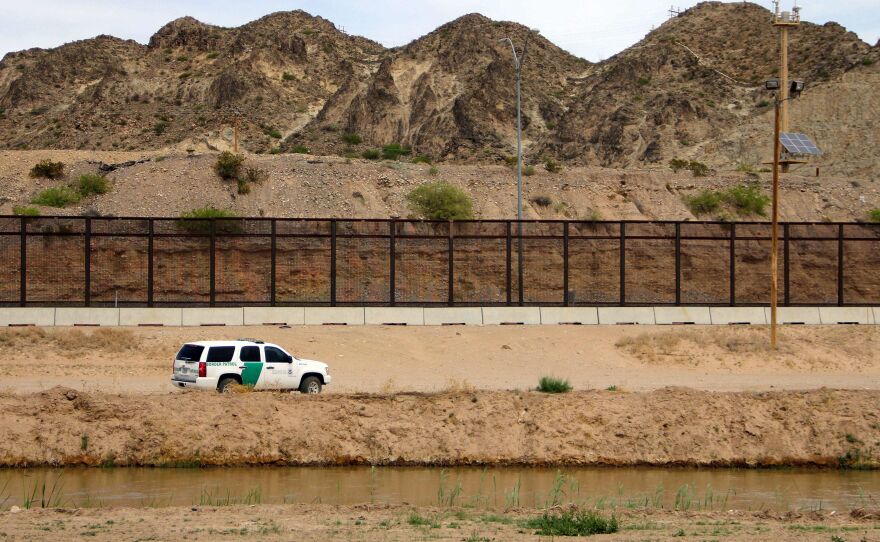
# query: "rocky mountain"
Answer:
x=692 y=88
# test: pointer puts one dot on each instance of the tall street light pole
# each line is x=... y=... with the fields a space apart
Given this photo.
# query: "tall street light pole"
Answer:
x=517 y=64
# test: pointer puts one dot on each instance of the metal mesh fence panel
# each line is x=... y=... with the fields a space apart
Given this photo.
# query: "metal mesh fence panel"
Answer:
x=302 y=270
x=861 y=257
x=752 y=265
x=119 y=267
x=10 y=270
x=243 y=270
x=422 y=270
x=182 y=270
x=480 y=271
x=362 y=270
x=705 y=264
x=55 y=269
x=650 y=263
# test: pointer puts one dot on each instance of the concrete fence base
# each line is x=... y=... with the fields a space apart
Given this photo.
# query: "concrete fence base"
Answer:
x=431 y=316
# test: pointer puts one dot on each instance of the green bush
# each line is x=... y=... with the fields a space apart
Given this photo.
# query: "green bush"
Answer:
x=59 y=196
x=272 y=132
x=300 y=149
x=371 y=154
x=573 y=523
x=705 y=202
x=748 y=199
x=699 y=169
x=228 y=165
x=47 y=169
x=90 y=184
x=204 y=226
x=394 y=151
x=874 y=215
x=160 y=127
x=867 y=61
x=243 y=187
x=548 y=384
x=288 y=76
x=542 y=201
x=351 y=138
x=644 y=81
x=441 y=201
x=25 y=210
x=255 y=175
x=676 y=164
x=528 y=171
x=552 y=166
x=422 y=159
x=433 y=170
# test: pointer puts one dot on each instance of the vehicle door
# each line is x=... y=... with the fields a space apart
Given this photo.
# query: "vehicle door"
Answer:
x=251 y=365
x=280 y=365
x=186 y=362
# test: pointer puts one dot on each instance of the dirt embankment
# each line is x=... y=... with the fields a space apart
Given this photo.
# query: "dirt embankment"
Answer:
x=672 y=426
x=403 y=524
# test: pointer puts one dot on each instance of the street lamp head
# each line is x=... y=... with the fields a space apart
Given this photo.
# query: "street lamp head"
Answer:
x=772 y=84
x=797 y=87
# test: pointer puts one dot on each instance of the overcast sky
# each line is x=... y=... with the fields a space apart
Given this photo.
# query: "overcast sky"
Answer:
x=591 y=29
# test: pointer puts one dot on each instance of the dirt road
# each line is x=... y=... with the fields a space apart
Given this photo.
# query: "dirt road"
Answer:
x=404 y=524
x=428 y=359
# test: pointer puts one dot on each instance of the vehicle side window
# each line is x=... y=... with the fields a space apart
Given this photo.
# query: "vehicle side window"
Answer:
x=190 y=352
x=275 y=354
x=220 y=353
x=250 y=353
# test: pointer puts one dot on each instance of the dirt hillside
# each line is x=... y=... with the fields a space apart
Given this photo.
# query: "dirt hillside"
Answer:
x=297 y=185
x=673 y=426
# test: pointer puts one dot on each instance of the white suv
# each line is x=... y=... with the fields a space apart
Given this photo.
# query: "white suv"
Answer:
x=220 y=365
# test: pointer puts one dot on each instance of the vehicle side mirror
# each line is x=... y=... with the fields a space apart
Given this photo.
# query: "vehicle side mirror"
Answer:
x=288 y=359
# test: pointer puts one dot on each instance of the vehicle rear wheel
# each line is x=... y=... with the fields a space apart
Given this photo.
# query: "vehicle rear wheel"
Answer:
x=310 y=384
x=227 y=385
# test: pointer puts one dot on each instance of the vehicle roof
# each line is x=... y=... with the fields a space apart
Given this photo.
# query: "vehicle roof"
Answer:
x=235 y=342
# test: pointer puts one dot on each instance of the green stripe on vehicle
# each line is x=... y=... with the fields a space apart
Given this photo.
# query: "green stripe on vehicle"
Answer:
x=251 y=372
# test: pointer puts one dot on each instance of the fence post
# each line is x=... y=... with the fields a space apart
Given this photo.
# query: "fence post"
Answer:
x=786 y=284
x=622 y=262
x=87 y=261
x=508 y=278
x=565 y=298
x=732 y=264
x=333 y=262
x=149 y=262
x=392 y=256
x=273 y=263
x=678 y=263
x=840 y=300
x=23 y=260
x=451 y=294
x=213 y=263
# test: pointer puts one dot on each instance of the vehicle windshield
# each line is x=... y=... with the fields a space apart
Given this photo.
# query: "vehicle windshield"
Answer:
x=190 y=352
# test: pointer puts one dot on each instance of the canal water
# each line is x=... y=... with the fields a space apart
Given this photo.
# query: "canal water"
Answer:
x=496 y=488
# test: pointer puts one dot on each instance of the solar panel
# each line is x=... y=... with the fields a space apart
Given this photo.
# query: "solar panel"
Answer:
x=798 y=144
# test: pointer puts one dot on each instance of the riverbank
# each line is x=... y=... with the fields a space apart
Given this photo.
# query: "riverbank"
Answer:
x=667 y=427
x=405 y=523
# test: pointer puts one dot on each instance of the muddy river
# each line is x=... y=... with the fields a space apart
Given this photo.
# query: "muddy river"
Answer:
x=705 y=489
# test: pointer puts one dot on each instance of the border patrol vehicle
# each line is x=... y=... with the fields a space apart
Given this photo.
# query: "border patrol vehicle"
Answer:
x=221 y=365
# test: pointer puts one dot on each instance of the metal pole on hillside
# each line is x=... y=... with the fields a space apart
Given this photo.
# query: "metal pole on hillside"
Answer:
x=774 y=248
x=517 y=65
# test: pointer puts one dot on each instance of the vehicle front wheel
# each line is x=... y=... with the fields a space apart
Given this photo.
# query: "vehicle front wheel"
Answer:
x=227 y=385
x=310 y=384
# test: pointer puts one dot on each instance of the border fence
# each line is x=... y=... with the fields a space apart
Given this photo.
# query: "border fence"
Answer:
x=109 y=261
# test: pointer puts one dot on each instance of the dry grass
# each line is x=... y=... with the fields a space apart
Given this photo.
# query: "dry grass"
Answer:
x=70 y=341
x=799 y=347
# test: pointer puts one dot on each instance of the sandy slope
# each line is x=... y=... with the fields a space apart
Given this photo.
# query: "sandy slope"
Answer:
x=673 y=426
x=393 y=524
x=393 y=359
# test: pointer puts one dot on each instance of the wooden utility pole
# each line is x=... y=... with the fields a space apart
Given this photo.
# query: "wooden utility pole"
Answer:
x=774 y=243
x=784 y=21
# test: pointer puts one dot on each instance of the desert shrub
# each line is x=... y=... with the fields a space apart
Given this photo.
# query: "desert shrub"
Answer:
x=552 y=165
x=422 y=159
x=528 y=171
x=548 y=384
x=394 y=151
x=213 y=54
x=441 y=201
x=255 y=175
x=288 y=76
x=25 y=210
x=748 y=199
x=300 y=149
x=47 y=169
x=542 y=201
x=58 y=196
x=510 y=161
x=433 y=170
x=573 y=523
x=763 y=103
x=160 y=127
x=352 y=138
x=699 y=169
x=867 y=61
x=677 y=164
x=644 y=81
x=244 y=187
x=187 y=223
x=705 y=202
x=228 y=165
x=272 y=132
x=874 y=215
x=371 y=154
x=89 y=185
